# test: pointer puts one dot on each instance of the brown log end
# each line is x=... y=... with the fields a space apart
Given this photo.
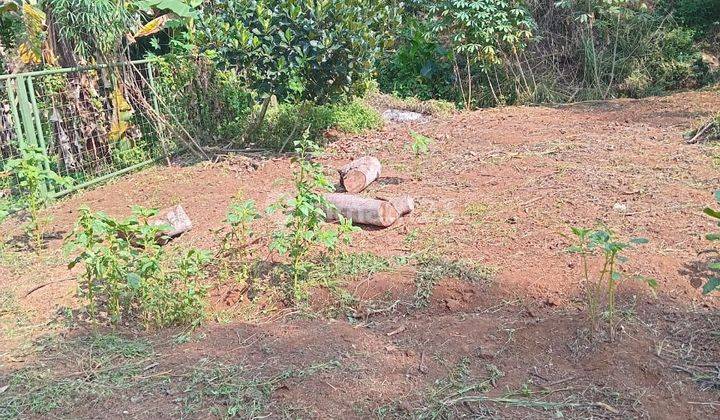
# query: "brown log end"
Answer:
x=403 y=204
x=354 y=181
x=387 y=214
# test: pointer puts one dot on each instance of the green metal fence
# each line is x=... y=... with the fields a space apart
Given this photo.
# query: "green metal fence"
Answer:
x=93 y=122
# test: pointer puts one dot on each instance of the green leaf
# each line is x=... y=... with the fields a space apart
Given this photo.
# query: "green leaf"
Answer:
x=712 y=285
x=133 y=280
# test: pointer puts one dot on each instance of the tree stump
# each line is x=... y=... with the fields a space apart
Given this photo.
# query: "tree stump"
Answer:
x=358 y=174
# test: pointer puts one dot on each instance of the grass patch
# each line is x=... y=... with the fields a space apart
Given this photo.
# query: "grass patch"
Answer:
x=94 y=367
x=433 y=107
x=431 y=270
x=229 y=391
x=100 y=369
x=461 y=394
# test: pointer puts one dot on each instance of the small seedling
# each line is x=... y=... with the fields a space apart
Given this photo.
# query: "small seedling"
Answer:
x=713 y=283
x=420 y=144
x=235 y=250
x=34 y=176
x=305 y=229
x=605 y=283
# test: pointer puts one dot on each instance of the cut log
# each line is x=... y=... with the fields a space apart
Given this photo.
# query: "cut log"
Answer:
x=364 y=211
x=177 y=221
x=403 y=204
x=358 y=174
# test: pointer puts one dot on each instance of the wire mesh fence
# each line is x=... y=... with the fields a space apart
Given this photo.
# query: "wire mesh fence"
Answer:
x=93 y=123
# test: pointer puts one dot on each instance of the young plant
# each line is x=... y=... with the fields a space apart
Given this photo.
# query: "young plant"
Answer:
x=420 y=146
x=34 y=176
x=128 y=274
x=713 y=282
x=604 y=284
x=235 y=249
x=305 y=229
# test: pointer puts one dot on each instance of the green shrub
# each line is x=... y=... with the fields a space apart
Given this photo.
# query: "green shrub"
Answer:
x=419 y=67
x=296 y=49
x=713 y=283
x=214 y=106
x=128 y=275
x=703 y=15
x=287 y=121
x=604 y=284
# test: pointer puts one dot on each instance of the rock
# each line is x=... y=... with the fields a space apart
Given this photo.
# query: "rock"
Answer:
x=398 y=115
x=177 y=220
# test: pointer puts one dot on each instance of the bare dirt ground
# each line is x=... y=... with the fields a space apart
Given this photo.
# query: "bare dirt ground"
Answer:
x=500 y=188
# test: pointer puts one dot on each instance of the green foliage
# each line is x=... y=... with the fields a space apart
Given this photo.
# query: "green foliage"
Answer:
x=296 y=49
x=287 y=121
x=94 y=29
x=181 y=8
x=481 y=34
x=215 y=106
x=235 y=250
x=305 y=229
x=420 y=144
x=34 y=178
x=625 y=48
x=127 y=274
x=418 y=67
x=703 y=15
x=713 y=283
x=604 y=285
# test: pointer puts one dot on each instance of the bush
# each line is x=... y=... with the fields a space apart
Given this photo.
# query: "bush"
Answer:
x=286 y=122
x=127 y=275
x=213 y=105
x=419 y=67
x=313 y=50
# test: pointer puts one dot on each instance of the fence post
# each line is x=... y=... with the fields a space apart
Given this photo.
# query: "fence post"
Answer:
x=26 y=114
x=14 y=111
x=39 y=130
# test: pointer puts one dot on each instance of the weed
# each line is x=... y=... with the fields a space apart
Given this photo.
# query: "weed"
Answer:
x=713 y=282
x=34 y=177
x=304 y=229
x=606 y=281
x=420 y=146
x=235 y=250
x=421 y=143
x=430 y=270
x=127 y=273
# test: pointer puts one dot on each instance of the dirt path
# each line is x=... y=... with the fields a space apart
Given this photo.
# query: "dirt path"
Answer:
x=500 y=187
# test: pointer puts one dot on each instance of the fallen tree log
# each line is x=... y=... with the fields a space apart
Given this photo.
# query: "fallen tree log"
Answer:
x=358 y=174
x=177 y=221
x=364 y=211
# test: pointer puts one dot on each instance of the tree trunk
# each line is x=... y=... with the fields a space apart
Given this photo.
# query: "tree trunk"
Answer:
x=364 y=211
x=358 y=174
